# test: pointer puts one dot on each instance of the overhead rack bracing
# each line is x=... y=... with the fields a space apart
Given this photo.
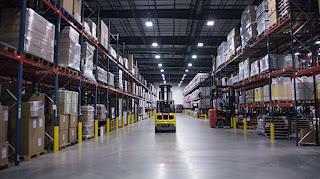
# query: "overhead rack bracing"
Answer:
x=274 y=71
x=74 y=67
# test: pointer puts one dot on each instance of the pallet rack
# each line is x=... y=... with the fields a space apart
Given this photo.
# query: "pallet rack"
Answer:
x=22 y=69
x=294 y=33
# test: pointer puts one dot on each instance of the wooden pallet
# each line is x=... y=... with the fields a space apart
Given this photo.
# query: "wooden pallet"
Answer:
x=4 y=166
x=38 y=60
x=7 y=47
x=29 y=157
x=64 y=146
x=87 y=137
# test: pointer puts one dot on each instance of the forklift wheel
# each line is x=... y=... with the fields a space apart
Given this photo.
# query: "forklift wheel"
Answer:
x=220 y=124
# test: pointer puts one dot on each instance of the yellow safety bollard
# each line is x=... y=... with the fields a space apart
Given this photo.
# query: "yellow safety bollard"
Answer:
x=245 y=125
x=272 y=132
x=129 y=119
x=117 y=123
x=133 y=119
x=122 y=121
x=96 y=129
x=234 y=123
x=56 y=139
x=108 y=126
x=79 y=133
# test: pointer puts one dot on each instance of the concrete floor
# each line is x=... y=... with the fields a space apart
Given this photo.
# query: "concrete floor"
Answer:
x=195 y=151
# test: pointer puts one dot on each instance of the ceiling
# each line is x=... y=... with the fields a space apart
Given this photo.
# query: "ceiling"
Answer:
x=178 y=26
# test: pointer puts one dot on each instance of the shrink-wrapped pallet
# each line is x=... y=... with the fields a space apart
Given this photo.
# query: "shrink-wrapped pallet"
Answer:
x=246 y=69
x=70 y=49
x=104 y=34
x=281 y=89
x=87 y=61
x=304 y=88
x=111 y=79
x=248 y=29
x=277 y=61
x=39 y=33
x=87 y=119
x=262 y=17
x=93 y=28
x=258 y=94
x=234 y=40
x=102 y=75
x=255 y=68
x=101 y=112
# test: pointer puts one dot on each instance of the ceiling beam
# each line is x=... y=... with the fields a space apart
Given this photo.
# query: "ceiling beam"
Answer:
x=218 y=14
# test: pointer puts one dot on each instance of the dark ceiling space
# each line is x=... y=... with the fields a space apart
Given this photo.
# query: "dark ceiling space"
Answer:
x=177 y=27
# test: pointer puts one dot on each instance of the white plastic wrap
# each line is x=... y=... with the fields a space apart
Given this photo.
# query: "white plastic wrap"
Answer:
x=222 y=52
x=101 y=112
x=200 y=77
x=104 y=35
x=110 y=79
x=255 y=68
x=87 y=28
x=277 y=61
x=248 y=17
x=120 y=82
x=262 y=23
x=70 y=49
x=125 y=63
x=248 y=34
x=282 y=89
x=234 y=40
x=246 y=69
x=93 y=28
x=102 y=75
x=113 y=53
x=39 y=34
x=304 y=88
x=88 y=52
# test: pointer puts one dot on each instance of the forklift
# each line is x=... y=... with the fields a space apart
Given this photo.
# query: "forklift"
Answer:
x=165 y=118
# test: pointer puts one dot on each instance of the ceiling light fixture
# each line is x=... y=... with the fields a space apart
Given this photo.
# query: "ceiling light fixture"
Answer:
x=149 y=24
x=164 y=82
x=186 y=70
x=158 y=57
x=159 y=65
x=189 y=64
x=210 y=23
x=154 y=44
x=194 y=56
x=317 y=42
x=162 y=70
x=200 y=44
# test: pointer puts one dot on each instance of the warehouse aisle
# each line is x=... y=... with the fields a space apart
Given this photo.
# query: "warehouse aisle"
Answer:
x=195 y=151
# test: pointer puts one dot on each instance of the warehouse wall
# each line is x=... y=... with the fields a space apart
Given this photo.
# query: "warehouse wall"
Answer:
x=177 y=94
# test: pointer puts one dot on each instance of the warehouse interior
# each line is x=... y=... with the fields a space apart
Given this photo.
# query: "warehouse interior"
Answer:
x=159 y=89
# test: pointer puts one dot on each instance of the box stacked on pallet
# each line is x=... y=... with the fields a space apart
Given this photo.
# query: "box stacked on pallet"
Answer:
x=73 y=126
x=77 y=4
x=87 y=119
x=67 y=5
x=120 y=112
x=3 y=135
x=244 y=70
x=250 y=96
x=112 y=52
x=282 y=89
x=130 y=64
x=272 y=13
x=104 y=34
x=125 y=117
x=102 y=75
x=304 y=88
x=248 y=29
x=87 y=61
x=221 y=53
x=120 y=81
x=93 y=28
x=255 y=68
x=277 y=61
x=262 y=17
x=70 y=49
x=110 y=78
x=120 y=59
x=63 y=130
x=234 y=41
x=39 y=35
x=101 y=112
x=126 y=86
x=32 y=126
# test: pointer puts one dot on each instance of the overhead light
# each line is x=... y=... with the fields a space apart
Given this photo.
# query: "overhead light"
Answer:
x=317 y=42
x=200 y=44
x=154 y=44
x=149 y=24
x=297 y=53
x=189 y=64
x=184 y=74
x=210 y=23
x=194 y=56
x=162 y=70
x=164 y=82
x=159 y=65
x=186 y=70
x=158 y=56
x=162 y=75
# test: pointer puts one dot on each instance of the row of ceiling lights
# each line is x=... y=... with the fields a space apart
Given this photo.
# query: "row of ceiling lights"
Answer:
x=155 y=44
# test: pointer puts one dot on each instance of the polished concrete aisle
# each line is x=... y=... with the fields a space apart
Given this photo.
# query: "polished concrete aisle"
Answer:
x=195 y=151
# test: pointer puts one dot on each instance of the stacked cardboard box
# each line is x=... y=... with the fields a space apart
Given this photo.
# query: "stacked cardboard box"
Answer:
x=248 y=28
x=77 y=4
x=68 y=102
x=87 y=28
x=87 y=61
x=39 y=35
x=272 y=13
x=244 y=70
x=277 y=61
x=234 y=40
x=93 y=28
x=120 y=59
x=101 y=112
x=222 y=53
x=258 y=94
x=68 y=6
x=262 y=17
x=130 y=64
x=63 y=129
x=70 y=50
x=3 y=135
x=87 y=118
x=32 y=125
x=120 y=81
x=110 y=78
x=255 y=68
x=104 y=34
x=73 y=126
x=112 y=52
x=102 y=75
x=120 y=103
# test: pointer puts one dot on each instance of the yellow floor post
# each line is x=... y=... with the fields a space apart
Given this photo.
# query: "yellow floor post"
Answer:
x=108 y=126
x=79 y=133
x=129 y=119
x=234 y=122
x=244 y=125
x=117 y=123
x=96 y=130
x=122 y=121
x=272 y=132
x=133 y=119
x=56 y=139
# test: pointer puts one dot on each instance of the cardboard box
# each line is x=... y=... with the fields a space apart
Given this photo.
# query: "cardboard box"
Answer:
x=3 y=153
x=3 y=124
x=63 y=137
x=104 y=34
x=68 y=6
x=130 y=64
x=64 y=122
x=77 y=4
x=72 y=137
x=73 y=121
